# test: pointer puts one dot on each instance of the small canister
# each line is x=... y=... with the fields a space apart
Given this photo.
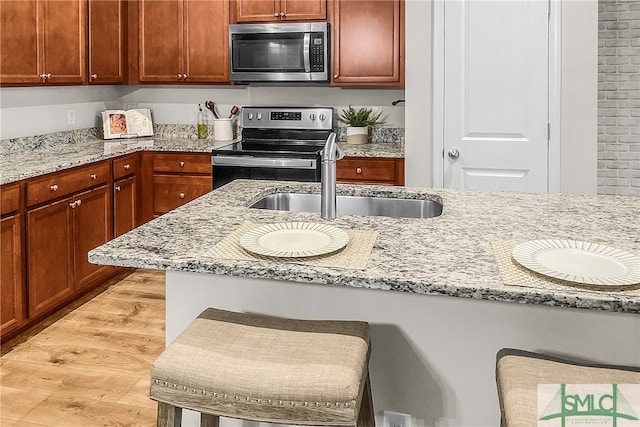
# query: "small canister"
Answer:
x=223 y=129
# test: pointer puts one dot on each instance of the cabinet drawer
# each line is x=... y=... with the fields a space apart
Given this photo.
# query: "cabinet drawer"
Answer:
x=182 y=163
x=125 y=166
x=9 y=198
x=61 y=184
x=170 y=191
x=366 y=169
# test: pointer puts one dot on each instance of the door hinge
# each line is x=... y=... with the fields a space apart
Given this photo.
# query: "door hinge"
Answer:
x=548 y=131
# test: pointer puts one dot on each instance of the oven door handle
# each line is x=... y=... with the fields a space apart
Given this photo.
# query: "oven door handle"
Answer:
x=258 y=162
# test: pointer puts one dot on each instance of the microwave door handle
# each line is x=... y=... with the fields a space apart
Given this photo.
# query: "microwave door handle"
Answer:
x=307 y=52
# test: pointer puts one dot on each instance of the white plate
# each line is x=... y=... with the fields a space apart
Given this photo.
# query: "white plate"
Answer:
x=294 y=239
x=581 y=262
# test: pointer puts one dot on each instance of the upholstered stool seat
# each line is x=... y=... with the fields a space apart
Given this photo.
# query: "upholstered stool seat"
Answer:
x=262 y=368
x=518 y=374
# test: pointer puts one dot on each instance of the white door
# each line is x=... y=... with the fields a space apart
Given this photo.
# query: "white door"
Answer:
x=496 y=102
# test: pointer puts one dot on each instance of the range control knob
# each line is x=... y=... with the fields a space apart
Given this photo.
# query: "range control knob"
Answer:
x=322 y=117
x=250 y=116
x=259 y=116
x=312 y=116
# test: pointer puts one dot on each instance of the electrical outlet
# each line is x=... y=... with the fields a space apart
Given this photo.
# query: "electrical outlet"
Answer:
x=71 y=117
x=396 y=419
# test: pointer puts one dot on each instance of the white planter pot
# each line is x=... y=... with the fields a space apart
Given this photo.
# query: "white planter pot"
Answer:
x=357 y=135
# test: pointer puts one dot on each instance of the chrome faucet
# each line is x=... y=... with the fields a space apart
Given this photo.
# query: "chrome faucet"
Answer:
x=330 y=154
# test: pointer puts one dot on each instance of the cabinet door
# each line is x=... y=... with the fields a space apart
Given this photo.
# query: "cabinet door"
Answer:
x=124 y=206
x=206 y=49
x=92 y=221
x=12 y=308
x=303 y=10
x=368 y=170
x=20 y=61
x=160 y=40
x=106 y=41
x=257 y=10
x=49 y=256
x=65 y=41
x=368 y=43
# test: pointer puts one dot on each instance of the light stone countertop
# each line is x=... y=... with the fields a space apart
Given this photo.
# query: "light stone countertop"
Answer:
x=448 y=255
x=35 y=162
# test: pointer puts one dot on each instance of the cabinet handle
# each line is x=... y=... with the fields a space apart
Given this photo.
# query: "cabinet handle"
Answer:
x=94 y=76
x=181 y=164
x=54 y=187
x=127 y=167
x=182 y=195
x=72 y=205
x=358 y=170
x=94 y=176
x=118 y=188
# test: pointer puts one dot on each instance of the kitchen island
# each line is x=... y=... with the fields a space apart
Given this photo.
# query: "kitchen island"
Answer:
x=431 y=289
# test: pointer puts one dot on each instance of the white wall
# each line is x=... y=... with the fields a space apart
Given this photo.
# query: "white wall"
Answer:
x=418 y=130
x=579 y=92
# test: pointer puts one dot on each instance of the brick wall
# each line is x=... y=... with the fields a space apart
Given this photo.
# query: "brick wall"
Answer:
x=619 y=97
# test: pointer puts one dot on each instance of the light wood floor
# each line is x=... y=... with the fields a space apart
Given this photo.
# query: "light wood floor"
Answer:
x=91 y=367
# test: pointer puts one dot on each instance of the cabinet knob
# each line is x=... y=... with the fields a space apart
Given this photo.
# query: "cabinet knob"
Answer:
x=358 y=170
x=78 y=202
x=275 y=14
x=48 y=76
x=43 y=77
x=184 y=76
x=181 y=164
x=54 y=187
x=335 y=76
x=282 y=14
x=94 y=176
x=127 y=167
x=182 y=195
x=118 y=188
x=72 y=205
x=179 y=76
x=94 y=76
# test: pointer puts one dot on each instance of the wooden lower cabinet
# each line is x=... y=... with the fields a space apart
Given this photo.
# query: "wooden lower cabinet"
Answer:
x=50 y=256
x=12 y=310
x=370 y=170
x=125 y=216
x=170 y=192
x=92 y=227
x=59 y=236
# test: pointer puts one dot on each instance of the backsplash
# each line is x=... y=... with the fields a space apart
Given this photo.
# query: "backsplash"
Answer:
x=162 y=131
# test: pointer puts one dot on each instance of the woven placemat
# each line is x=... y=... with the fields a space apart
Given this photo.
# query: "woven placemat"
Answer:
x=514 y=274
x=354 y=256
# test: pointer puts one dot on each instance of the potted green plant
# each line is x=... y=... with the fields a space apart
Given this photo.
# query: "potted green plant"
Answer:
x=358 y=123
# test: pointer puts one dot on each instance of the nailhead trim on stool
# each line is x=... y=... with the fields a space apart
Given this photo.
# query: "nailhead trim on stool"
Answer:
x=264 y=368
x=519 y=372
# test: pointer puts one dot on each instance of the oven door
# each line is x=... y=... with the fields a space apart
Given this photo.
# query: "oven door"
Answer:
x=228 y=168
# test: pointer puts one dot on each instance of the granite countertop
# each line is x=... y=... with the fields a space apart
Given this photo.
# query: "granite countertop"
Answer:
x=30 y=163
x=446 y=255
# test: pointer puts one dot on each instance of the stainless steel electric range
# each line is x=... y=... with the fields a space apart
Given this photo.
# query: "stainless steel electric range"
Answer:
x=278 y=143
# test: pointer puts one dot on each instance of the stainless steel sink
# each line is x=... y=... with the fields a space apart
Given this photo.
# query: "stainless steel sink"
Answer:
x=353 y=205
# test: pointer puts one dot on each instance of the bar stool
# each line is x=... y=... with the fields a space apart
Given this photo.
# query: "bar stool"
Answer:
x=519 y=372
x=263 y=368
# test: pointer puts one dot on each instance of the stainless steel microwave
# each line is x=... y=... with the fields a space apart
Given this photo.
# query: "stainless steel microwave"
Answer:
x=297 y=52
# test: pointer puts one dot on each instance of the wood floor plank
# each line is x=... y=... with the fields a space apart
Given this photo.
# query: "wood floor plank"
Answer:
x=90 y=367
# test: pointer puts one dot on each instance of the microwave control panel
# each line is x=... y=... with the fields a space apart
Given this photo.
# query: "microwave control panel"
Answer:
x=317 y=52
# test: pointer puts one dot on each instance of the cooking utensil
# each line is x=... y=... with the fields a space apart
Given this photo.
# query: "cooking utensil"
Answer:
x=233 y=111
x=212 y=106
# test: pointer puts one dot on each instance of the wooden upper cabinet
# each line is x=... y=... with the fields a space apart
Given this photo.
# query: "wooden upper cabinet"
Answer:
x=280 y=10
x=183 y=41
x=43 y=41
x=107 y=24
x=368 y=43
